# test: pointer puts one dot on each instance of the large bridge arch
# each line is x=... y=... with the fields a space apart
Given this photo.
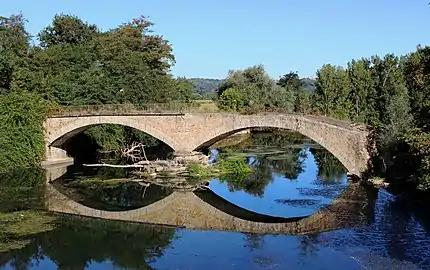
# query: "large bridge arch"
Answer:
x=59 y=130
x=346 y=144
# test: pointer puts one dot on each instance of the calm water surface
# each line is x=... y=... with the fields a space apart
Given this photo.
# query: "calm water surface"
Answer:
x=292 y=178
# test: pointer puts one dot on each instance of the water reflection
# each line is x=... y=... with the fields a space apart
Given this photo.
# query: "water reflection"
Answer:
x=296 y=211
x=22 y=189
x=292 y=176
x=111 y=195
x=204 y=210
x=283 y=195
x=77 y=243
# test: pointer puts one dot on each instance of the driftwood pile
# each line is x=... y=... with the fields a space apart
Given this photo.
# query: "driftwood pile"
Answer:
x=136 y=154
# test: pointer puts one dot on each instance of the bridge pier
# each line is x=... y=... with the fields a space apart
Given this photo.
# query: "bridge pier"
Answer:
x=56 y=156
x=185 y=157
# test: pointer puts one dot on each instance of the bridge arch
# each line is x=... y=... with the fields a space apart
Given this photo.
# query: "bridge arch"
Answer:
x=337 y=140
x=58 y=136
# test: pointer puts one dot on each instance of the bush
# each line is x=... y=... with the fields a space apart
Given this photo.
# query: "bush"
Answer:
x=232 y=100
x=21 y=129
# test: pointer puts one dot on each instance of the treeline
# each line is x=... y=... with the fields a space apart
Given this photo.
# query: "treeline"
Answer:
x=75 y=63
x=252 y=90
x=391 y=94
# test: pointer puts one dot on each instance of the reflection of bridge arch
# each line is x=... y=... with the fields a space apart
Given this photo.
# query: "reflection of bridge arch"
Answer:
x=189 y=132
x=186 y=209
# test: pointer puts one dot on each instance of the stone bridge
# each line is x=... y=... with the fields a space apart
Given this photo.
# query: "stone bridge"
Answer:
x=189 y=132
x=207 y=211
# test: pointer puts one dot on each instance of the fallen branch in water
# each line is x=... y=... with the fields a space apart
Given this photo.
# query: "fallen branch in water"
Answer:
x=115 y=166
x=136 y=152
x=173 y=183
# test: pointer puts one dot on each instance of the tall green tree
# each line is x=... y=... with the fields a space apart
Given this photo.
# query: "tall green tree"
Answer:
x=294 y=87
x=417 y=75
x=331 y=93
x=389 y=84
x=14 y=46
x=360 y=89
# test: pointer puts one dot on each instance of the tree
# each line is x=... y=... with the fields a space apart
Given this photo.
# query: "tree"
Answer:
x=67 y=29
x=21 y=129
x=389 y=82
x=135 y=39
x=290 y=79
x=259 y=90
x=331 y=93
x=294 y=87
x=360 y=89
x=232 y=100
x=417 y=74
x=14 y=46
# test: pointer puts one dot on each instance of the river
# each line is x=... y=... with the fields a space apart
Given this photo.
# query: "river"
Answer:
x=294 y=180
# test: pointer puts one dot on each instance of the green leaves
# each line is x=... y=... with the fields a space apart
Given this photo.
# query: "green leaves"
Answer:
x=331 y=93
x=21 y=129
x=67 y=29
x=232 y=100
x=252 y=89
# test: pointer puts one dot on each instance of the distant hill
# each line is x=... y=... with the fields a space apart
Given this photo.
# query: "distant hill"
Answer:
x=309 y=84
x=203 y=85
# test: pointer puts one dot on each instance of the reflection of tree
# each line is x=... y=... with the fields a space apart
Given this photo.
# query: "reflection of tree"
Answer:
x=308 y=244
x=330 y=169
x=22 y=189
x=253 y=241
x=290 y=164
x=78 y=242
x=281 y=153
x=252 y=184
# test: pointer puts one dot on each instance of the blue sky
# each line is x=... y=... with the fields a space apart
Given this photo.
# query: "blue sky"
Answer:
x=209 y=37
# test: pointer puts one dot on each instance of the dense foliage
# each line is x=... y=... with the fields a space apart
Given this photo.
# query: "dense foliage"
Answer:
x=252 y=90
x=21 y=129
x=391 y=95
x=78 y=64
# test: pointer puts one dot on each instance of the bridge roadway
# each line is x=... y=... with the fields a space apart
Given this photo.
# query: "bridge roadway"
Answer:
x=188 y=132
x=207 y=211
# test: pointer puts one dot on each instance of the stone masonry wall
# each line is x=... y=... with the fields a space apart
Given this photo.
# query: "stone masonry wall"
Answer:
x=190 y=132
